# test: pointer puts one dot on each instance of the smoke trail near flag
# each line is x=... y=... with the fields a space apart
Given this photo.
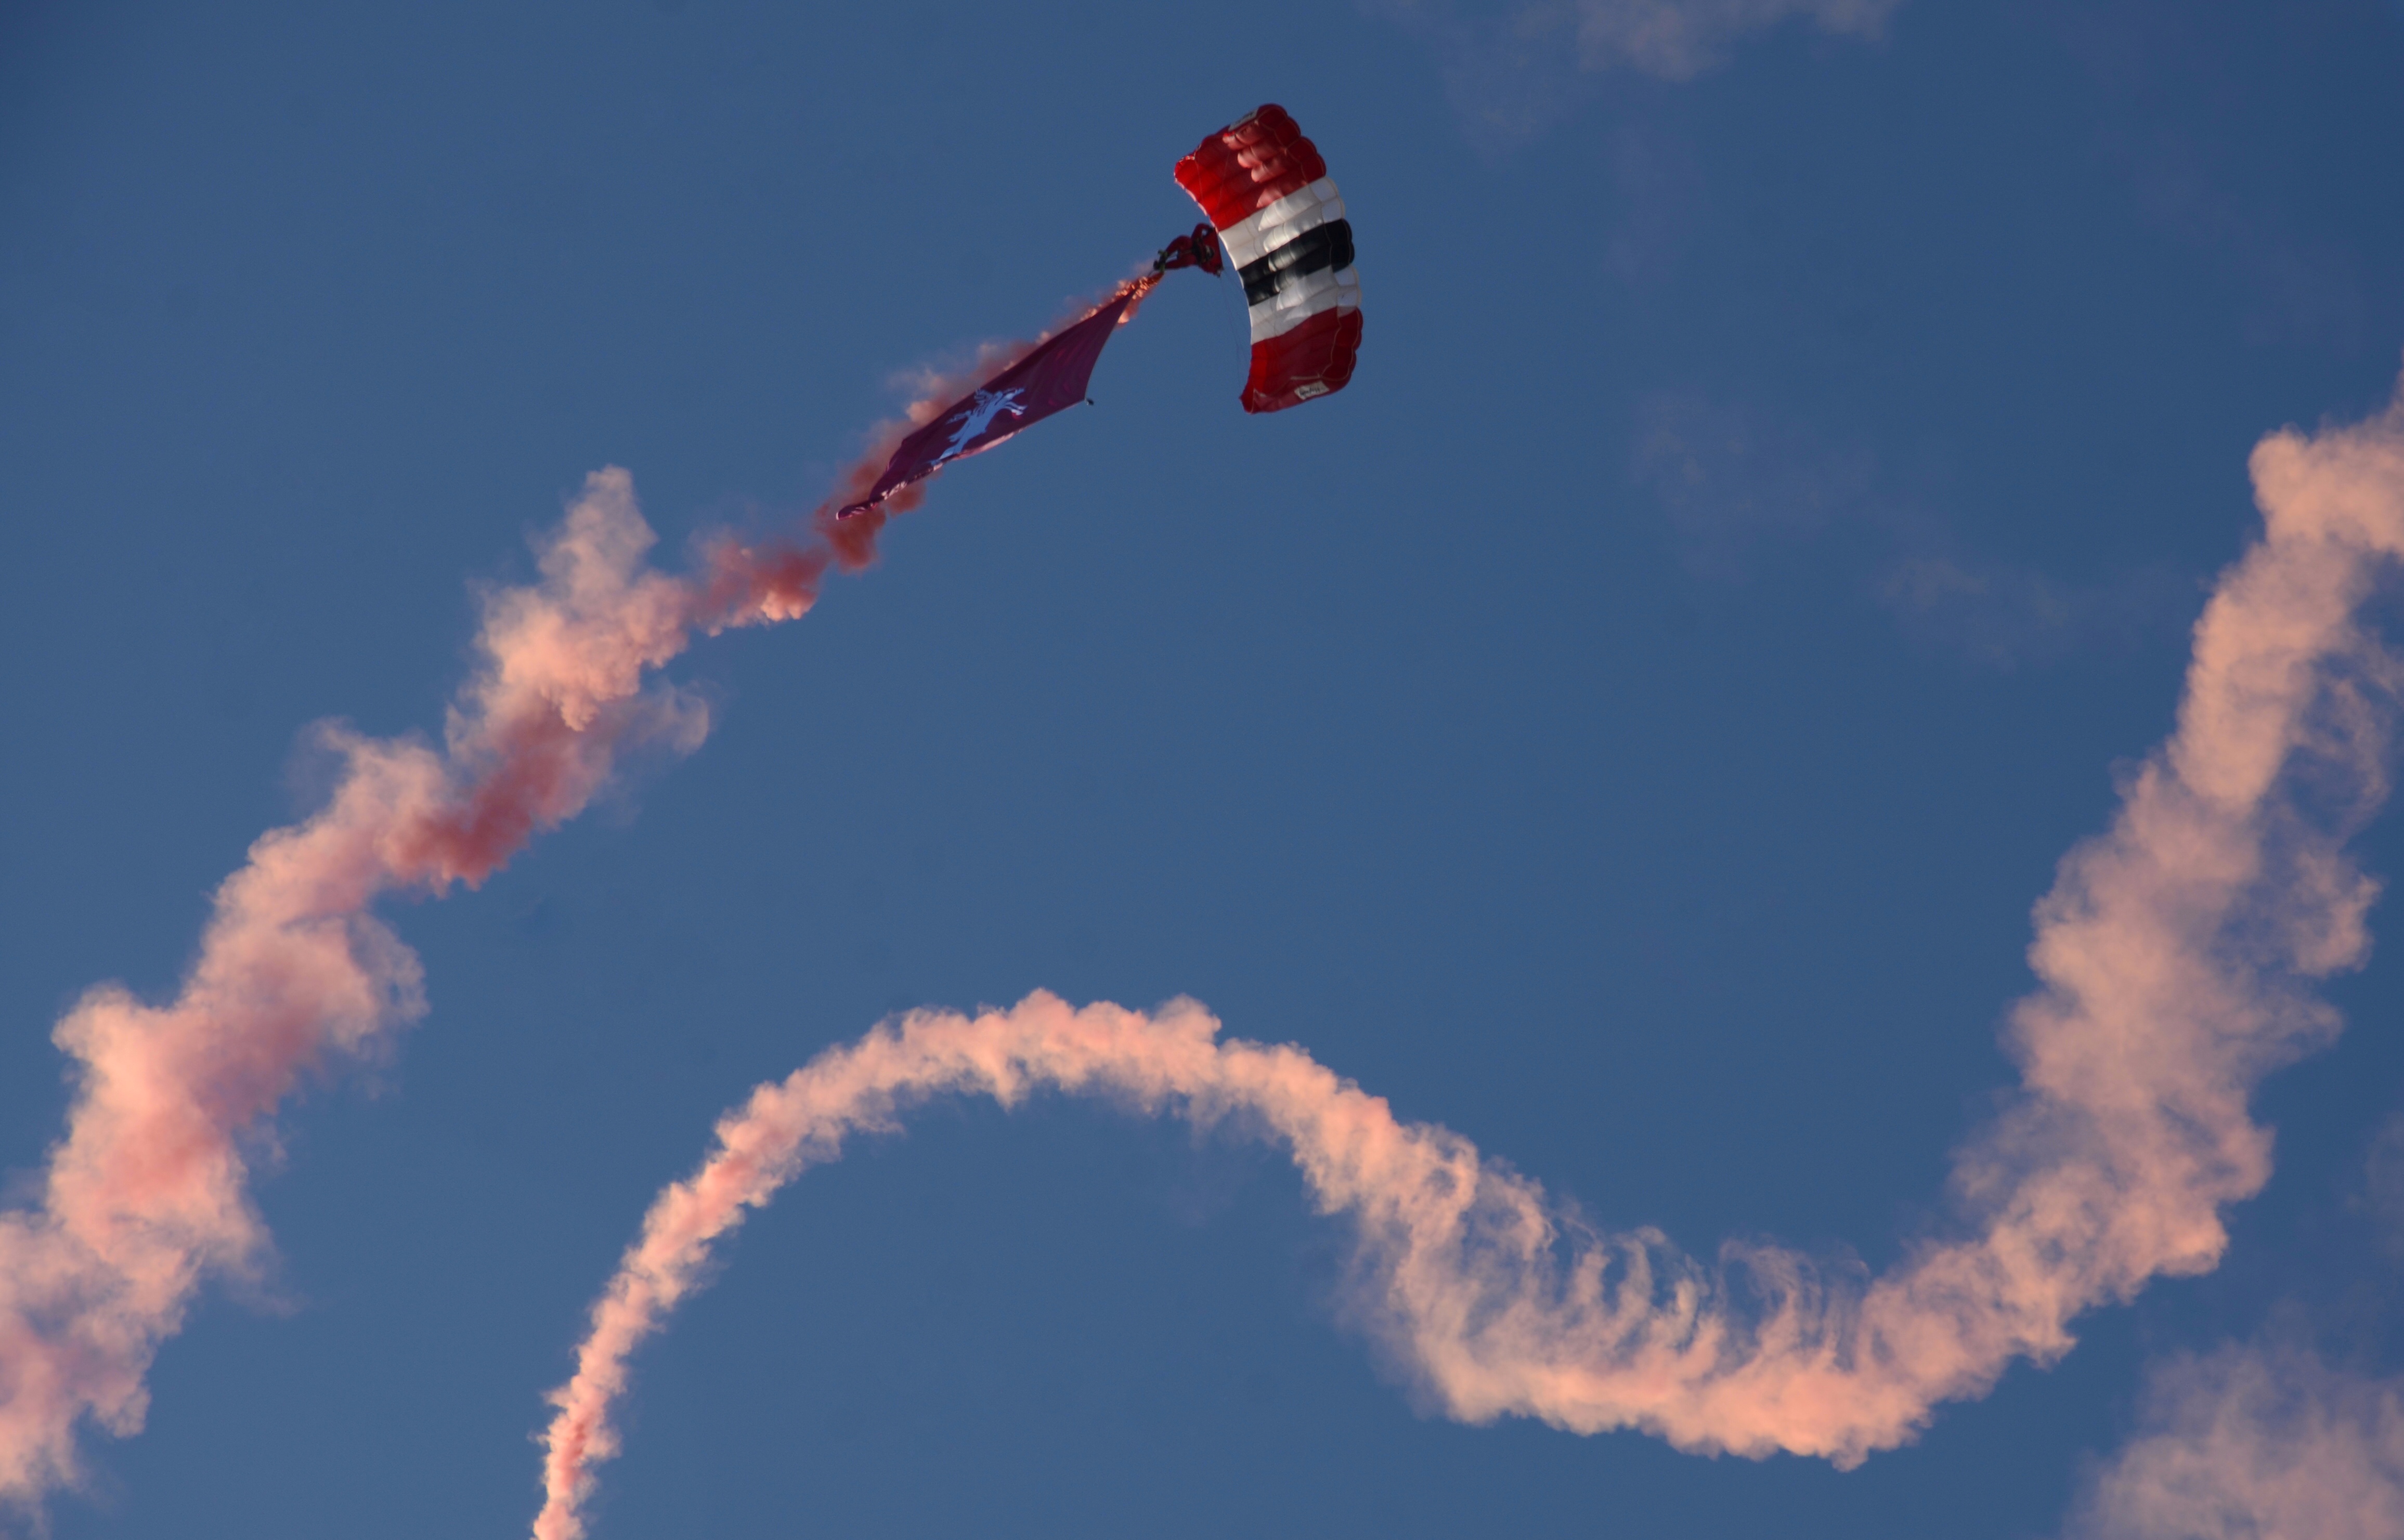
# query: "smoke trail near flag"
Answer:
x=146 y=1195
x=2175 y=954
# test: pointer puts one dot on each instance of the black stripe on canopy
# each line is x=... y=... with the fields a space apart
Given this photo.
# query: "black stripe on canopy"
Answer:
x=1327 y=245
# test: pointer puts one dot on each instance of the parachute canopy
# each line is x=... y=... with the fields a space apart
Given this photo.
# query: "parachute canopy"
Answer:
x=1282 y=224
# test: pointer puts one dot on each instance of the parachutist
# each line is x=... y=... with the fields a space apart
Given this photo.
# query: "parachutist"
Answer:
x=1276 y=213
x=1200 y=248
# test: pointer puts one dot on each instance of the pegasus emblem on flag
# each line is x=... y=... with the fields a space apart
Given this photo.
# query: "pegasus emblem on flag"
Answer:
x=983 y=409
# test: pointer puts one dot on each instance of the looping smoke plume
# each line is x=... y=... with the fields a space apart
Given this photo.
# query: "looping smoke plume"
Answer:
x=146 y=1195
x=2173 y=955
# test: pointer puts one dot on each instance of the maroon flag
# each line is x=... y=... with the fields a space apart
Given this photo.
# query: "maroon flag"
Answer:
x=1048 y=378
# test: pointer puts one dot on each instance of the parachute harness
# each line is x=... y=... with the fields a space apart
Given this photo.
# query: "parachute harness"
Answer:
x=1199 y=249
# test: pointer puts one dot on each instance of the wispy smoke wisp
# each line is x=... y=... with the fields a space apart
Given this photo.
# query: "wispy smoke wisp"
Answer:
x=2175 y=956
x=2251 y=1442
x=1514 y=68
x=1679 y=39
x=146 y=1195
x=1740 y=489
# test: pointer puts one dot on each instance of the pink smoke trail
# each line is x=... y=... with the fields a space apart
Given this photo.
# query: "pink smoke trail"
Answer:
x=2173 y=955
x=145 y=1196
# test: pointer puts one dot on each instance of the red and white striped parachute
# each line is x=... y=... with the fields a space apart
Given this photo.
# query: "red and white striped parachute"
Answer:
x=1279 y=215
x=1279 y=220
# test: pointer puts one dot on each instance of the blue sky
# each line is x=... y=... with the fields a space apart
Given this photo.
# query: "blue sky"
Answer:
x=1628 y=726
